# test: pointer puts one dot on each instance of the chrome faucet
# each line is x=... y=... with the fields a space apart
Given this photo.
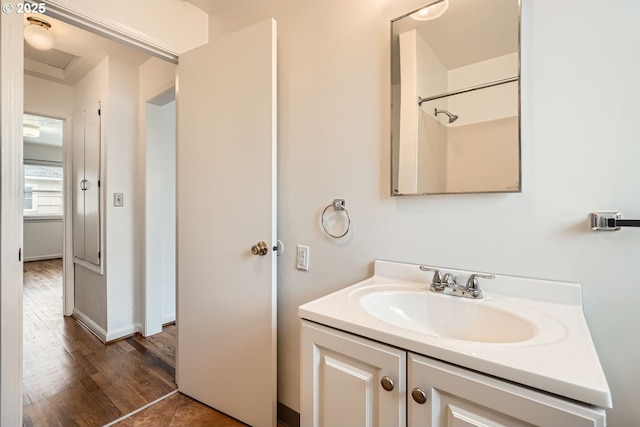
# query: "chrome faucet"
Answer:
x=437 y=283
x=447 y=284
x=472 y=289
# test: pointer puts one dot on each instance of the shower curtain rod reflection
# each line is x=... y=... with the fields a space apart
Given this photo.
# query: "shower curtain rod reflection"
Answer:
x=469 y=89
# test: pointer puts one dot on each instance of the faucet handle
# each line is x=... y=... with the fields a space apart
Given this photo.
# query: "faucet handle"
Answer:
x=449 y=279
x=437 y=281
x=473 y=287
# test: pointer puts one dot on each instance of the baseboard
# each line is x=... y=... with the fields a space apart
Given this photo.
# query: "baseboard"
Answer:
x=123 y=332
x=42 y=257
x=288 y=416
x=90 y=325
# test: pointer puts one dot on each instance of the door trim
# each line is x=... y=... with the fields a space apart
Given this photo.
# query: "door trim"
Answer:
x=11 y=112
x=109 y=29
x=68 y=289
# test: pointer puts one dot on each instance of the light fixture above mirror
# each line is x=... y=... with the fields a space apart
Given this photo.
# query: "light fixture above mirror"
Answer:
x=432 y=11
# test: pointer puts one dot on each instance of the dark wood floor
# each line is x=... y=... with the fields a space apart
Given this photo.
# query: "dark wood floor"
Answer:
x=179 y=410
x=72 y=379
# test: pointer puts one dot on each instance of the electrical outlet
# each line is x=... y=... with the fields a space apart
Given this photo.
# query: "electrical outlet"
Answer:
x=302 y=258
x=118 y=200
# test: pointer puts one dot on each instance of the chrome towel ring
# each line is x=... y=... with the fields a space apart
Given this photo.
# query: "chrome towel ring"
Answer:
x=338 y=206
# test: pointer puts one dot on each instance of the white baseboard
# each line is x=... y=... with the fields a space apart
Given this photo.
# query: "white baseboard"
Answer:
x=92 y=326
x=99 y=332
x=123 y=332
x=42 y=257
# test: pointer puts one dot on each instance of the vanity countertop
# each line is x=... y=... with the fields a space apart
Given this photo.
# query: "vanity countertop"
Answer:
x=559 y=358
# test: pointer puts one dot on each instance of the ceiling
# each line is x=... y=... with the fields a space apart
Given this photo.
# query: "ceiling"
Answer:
x=469 y=31
x=74 y=54
x=76 y=51
x=50 y=130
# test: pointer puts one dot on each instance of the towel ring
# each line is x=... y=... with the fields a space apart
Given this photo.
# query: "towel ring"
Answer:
x=338 y=206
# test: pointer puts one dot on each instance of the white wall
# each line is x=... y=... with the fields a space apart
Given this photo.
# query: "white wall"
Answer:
x=156 y=175
x=47 y=98
x=122 y=235
x=334 y=101
x=485 y=104
x=47 y=153
x=42 y=239
x=90 y=286
x=161 y=205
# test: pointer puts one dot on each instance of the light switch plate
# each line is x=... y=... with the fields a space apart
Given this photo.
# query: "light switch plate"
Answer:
x=118 y=200
x=302 y=258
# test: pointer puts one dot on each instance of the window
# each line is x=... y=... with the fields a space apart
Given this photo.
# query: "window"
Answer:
x=42 y=190
x=28 y=199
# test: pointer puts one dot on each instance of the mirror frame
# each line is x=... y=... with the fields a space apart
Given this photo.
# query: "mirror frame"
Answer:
x=395 y=127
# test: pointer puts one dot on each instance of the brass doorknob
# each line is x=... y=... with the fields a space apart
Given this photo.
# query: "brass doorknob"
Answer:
x=260 y=248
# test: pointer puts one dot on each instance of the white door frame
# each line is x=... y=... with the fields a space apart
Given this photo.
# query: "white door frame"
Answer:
x=11 y=112
x=68 y=290
x=152 y=311
x=11 y=225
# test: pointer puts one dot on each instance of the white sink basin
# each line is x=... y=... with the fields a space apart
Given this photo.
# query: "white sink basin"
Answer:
x=528 y=331
x=446 y=316
x=492 y=320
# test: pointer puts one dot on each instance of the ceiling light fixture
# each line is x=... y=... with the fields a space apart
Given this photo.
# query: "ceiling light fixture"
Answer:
x=30 y=130
x=37 y=33
x=433 y=11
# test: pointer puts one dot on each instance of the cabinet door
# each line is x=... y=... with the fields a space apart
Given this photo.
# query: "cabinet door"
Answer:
x=343 y=380
x=86 y=181
x=457 y=397
x=78 y=184
x=92 y=185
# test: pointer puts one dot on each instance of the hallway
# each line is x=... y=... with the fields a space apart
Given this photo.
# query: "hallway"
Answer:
x=70 y=377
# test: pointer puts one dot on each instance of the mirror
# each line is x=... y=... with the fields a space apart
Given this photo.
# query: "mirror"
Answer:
x=455 y=94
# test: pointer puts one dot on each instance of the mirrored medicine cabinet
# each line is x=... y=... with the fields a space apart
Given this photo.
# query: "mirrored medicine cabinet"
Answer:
x=455 y=95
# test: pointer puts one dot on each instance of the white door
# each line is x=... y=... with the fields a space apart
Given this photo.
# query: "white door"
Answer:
x=226 y=203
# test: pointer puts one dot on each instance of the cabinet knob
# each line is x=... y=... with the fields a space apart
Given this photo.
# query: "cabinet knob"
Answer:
x=387 y=383
x=419 y=395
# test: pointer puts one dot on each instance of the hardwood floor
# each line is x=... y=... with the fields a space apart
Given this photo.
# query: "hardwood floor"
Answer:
x=179 y=410
x=72 y=379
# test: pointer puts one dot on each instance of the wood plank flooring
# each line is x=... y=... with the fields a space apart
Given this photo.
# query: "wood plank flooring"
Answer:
x=72 y=379
x=179 y=410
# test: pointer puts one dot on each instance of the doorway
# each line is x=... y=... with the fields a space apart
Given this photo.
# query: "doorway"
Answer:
x=43 y=194
x=56 y=365
x=160 y=263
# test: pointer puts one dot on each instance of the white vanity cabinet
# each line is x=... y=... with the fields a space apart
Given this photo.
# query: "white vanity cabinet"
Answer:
x=350 y=381
x=343 y=380
x=459 y=397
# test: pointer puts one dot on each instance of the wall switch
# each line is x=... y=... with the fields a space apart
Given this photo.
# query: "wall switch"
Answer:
x=302 y=258
x=118 y=200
